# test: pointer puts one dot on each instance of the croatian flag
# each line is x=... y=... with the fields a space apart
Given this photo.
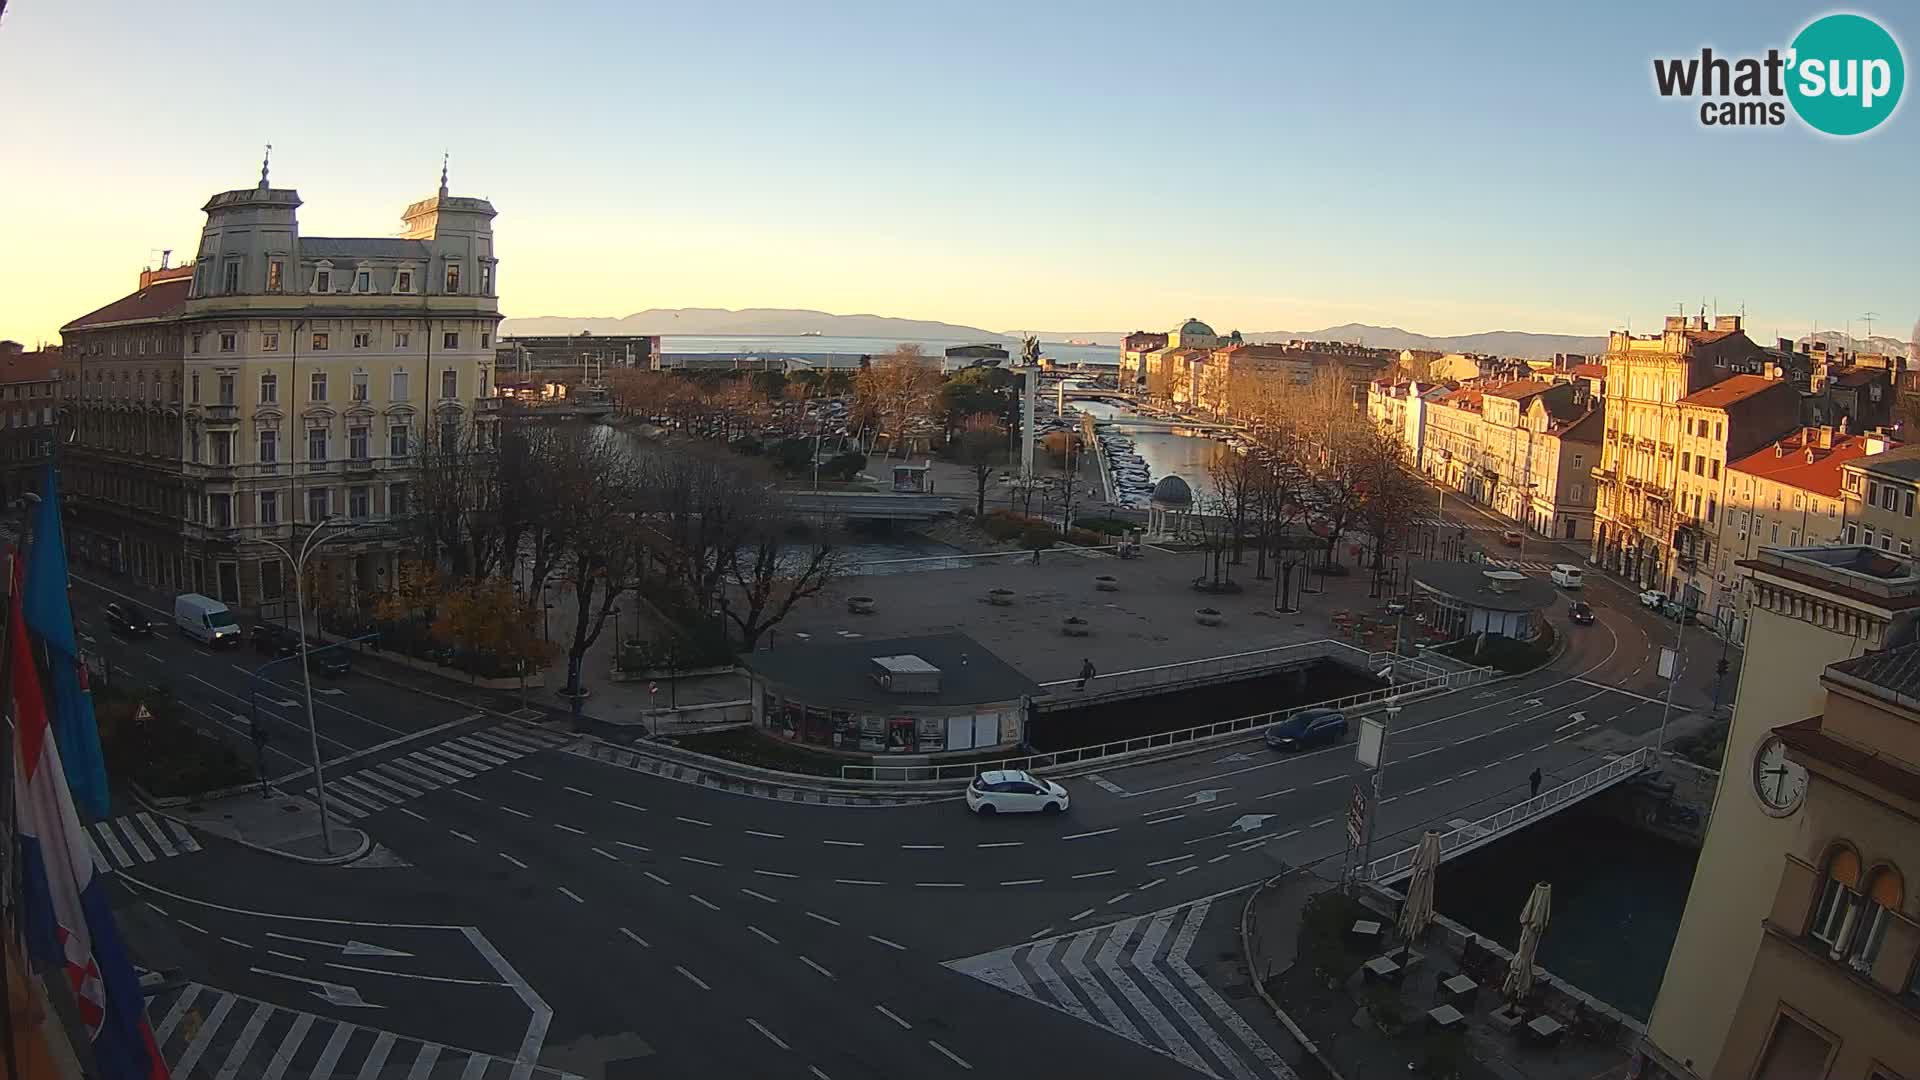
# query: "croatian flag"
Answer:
x=50 y=613
x=67 y=919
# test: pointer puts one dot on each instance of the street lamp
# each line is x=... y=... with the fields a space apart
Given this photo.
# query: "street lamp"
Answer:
x=315 y=537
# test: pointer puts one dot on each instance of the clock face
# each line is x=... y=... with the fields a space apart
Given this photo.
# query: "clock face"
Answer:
x=1780 y=782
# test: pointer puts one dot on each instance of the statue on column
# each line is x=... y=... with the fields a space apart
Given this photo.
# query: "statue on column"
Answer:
x=1030 y=351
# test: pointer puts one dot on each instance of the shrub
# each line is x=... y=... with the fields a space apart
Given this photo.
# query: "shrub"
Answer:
x=844 y=467
x=1038 y=537
x=747 y=445
x=794 y=455
x=1085 y=537
x=1106 y=526
x=1324 y=922
x=163 y=753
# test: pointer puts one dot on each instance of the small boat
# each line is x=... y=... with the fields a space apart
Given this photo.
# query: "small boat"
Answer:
x=810 y=333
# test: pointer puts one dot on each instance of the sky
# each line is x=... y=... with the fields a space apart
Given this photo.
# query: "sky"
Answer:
x=1045 y=164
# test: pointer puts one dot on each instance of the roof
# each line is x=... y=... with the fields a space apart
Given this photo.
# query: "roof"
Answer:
x=1708 y=337
x=1468 y=584
x=1896 y=670
x=1859 y=376
x=1519 y=389
x=840 y=673
x=1902 y=464
x=1821 y=476
x=1591 y=371
x=1730 y=391
x=42 y=365
x=1807 y=739
x=1195 y=326
x=160 y=300
x=1588 y=428
x=357 y=247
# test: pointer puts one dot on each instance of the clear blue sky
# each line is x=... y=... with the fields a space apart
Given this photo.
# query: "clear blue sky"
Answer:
x=1040 y=164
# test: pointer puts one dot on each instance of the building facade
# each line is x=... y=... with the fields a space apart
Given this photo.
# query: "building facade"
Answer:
x=29 y=416
x=584 y=355
x=1523 y=449
x=1721 y=423
x=306 y=379
x=1877 y=496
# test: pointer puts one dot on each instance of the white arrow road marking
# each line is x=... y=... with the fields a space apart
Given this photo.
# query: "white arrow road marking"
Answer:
x=1249 y=822
x=331 y=993
x=1205 y=796
x=351 y=948
x=1232 y=758
x=330 y=691
x=1578 y=718
x=1533 y=702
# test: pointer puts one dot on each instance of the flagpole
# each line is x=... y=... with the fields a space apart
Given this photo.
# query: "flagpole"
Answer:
x=9 y=898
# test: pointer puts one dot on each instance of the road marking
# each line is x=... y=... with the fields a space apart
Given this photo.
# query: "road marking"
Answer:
x=816 y=967
x=1217 y=858
x=571 y=895
x=1424 y=753
x=760 y=896
x=703 y=901
x=1117 y=899
x=775 y=873
x=1513 y=757
x=605 y=854
x=1388 y=799
x=889 y=944
x=1218 y=806
x=1085 y=835
x=629 y=806
x=938 y=885
x=1175 y=859
x=694 y=821
x=511 y=810
x=156 y=907
x=951 y=1056
x=823 y=918
x=1415 y=791
x=1329 y=780
x=636 y=938
x=1025 y=881
x=465 y=794
x=513 y=860
x=578 y=791
x=1288 y=835
x=287 y=956
x=569 y=828
x=636 y=847
x=701 y=862
x=411 y=814
x=1080 y=916
x=691 y=977
x=528 y=775
x=1277 y=794
x=923 y=847
x=843 y=843
x=766 y=835
x=463 y=836
x=657 y=879
x=1002 y=843
x=763 y=935
x=1442 y=780
x=771 y=1037
x=1322 y=821
x=1187 y=871
x=1040 y=933
x=1541 y=747
x=1151 y=884
x=240 y=944
x=856 y=881
x=817 y=1074
x=1164 y=820
x=1092 y=874
x=893 y=1016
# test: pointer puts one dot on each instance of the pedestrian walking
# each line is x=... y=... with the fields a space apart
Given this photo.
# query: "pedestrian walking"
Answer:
x=1086 y=672
x=1534 y=782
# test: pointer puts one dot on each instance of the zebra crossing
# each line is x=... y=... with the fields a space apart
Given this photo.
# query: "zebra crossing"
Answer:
x=1132 y=978
x=1521 y=564
x=208 y=1033
x=409 y=776
x=1426 y=521
x=132 y=839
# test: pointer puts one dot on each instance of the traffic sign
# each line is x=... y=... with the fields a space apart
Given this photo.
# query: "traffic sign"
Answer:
x=1357 y=815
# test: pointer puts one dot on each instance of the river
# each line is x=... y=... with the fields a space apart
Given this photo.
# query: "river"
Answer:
x=1167 y=450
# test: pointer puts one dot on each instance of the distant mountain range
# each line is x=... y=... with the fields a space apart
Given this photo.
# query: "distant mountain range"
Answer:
x=1497 y=342
x=1878 y=343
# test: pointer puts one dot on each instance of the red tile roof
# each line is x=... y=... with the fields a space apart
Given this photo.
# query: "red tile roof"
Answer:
x=1730 y=390
x=1591 y=371
x=1821 y=476
x=27 y=367
x=1520 y=389
x=160 y=300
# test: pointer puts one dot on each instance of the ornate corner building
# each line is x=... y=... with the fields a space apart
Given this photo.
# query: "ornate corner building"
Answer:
x=275 y=382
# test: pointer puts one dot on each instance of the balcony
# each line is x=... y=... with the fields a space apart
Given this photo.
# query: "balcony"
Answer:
x=220 y=414
x=358 y=467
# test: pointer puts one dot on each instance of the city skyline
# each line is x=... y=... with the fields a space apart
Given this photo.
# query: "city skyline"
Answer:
x=998 y=167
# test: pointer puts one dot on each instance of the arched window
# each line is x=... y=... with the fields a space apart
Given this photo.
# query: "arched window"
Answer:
x=1832 y=918
x=1880 y=899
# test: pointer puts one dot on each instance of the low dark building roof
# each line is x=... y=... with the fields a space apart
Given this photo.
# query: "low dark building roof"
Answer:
x=841 y=672
x=1468 y=584
x=363 y=247
x=1902 y=464
x=160 y=300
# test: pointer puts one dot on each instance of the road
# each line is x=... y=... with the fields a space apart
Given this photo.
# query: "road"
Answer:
x=531 y=904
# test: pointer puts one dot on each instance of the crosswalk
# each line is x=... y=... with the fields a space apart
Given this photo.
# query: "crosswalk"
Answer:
x=1132 y=978
x=210 y=1034
x=397 y=780
x=1449 y=523
x=1521 y=564
x=137 y=838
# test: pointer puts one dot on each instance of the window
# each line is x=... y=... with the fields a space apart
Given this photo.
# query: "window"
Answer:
x=194 y=341
x=270 y=342
x=323 y=281
x=397 y=441
x=316 y=504
x=229 y=341
x=1793 y=538
x=317 y=445
x=400 y=388
x=1717 y=429
x=1909 y=503
x=403 y=281
x=1866 y=537
x=1775 y=534
x=1793 y=1051
x=1852 y=535
x=269 y=388
x=269 y=447
x=274 y=269
x=453 y=278
x=220 y=511
x=449 y=384
x=1686 y=461
x=317 y=387
x=1886 y=541
x=226 y=388
x=359 y=386
x=359 y=503
x=1873 y=491
x=396 y=500
x=402 y=340
x=362 y=281
x=357 y=443
x=320 y=342
x=231 y=283
x=450 y=437
x=1712 y=505
x=362 y=339
x=1906 y=545
x=1888 y=495
x=486 y=339
x=269 y=512
x=486 y=279
x=222 y=443
x=450 y=339
x=1713 y=471
x=196 y=389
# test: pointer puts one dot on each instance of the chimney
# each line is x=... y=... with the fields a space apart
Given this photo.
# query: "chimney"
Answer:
x=166 y=256
x=1826 y=438
x=1810 y=455
x=1876 y=443
x=1676 y=322
x=1727 y=322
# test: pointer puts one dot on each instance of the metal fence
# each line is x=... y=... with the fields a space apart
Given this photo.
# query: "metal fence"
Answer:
x=907 y=774
x=987 y=558
x=1475 y=834
x=1135 y=681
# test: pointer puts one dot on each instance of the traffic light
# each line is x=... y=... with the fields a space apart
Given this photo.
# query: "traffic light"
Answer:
x=1720 y=669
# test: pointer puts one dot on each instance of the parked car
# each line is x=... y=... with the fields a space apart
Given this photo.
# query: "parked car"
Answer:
x=1010 y=791
x=1307 y=728
x=205 y=620
x=1676 y=612
x=1511 y=538
x=1565 y=575
x=1581 y=613
x=128 y=621
x=1653 y=599
x=281 y=642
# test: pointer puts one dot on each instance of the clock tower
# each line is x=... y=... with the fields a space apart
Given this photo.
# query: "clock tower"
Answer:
x=1812 y=607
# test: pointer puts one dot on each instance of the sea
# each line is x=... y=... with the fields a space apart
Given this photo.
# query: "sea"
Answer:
x=847 y=351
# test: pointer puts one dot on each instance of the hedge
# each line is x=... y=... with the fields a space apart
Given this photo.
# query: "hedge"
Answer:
x=163 y=753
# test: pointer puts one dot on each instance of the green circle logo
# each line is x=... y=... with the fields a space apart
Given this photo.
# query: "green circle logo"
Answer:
x=1847 y=74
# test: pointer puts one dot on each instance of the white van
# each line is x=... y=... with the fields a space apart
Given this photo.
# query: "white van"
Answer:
x=205 y=620
x=1565 y=575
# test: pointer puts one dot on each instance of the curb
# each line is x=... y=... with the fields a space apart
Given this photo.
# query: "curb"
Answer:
x=359 y=851
x=1246 y=956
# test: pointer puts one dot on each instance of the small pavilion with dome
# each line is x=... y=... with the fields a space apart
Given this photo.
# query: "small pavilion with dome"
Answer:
x=1169 y=509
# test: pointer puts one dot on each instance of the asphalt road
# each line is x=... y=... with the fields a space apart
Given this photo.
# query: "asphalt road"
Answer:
x=529 y=902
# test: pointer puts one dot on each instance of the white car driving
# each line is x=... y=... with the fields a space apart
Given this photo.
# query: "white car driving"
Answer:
x=1010 y=791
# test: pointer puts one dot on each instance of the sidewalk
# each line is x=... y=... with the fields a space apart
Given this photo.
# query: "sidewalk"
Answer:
x=279 y=824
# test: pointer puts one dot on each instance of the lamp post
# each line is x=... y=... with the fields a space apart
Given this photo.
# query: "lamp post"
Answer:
x=315 y=538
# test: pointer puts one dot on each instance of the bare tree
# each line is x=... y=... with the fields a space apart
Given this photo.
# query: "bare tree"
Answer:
x=455 y=505
x=895 y=394
x=771 y=571
x=981 y=447
x=1235 y=475
x=597 y=558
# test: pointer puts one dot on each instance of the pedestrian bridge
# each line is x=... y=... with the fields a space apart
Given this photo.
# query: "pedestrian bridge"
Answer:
x=1462 y=837
x=876 y=505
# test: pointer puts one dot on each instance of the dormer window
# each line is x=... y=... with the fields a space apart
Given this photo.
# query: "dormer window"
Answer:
x=230 y=284
x=323 y=281
x=403 y=281
x=453 y=278
x=486 y=279
x=362 y=281
x=275 y=268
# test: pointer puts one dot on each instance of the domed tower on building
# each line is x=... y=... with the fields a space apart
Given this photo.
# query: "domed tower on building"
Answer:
x=1193 y=334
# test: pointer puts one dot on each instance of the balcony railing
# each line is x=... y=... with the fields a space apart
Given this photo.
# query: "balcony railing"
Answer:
x=220 y=414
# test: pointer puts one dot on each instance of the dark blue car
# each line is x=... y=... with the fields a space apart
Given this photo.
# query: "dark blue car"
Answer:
x=1308 y=728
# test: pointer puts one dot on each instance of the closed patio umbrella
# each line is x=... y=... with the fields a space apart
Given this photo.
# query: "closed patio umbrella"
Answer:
x=1533 y=923
x=1417 y=912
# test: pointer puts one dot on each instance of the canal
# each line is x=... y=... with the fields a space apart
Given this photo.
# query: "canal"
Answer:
x=1167 y=449
x=1088 y=725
